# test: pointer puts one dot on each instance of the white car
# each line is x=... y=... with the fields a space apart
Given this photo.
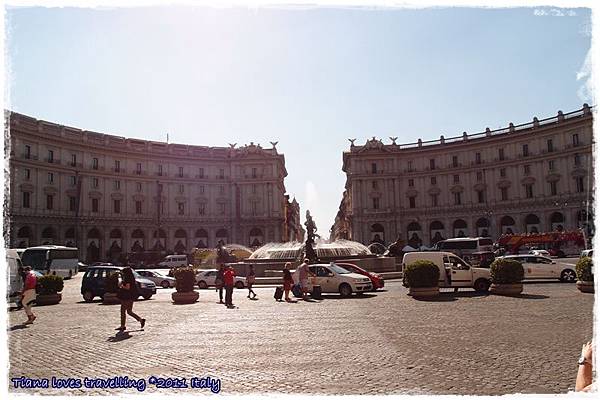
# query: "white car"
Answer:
x=206 y=278
x=334 y=279
x=587 y=253
x=157 y=277
x=539 y=267
x=543 y=253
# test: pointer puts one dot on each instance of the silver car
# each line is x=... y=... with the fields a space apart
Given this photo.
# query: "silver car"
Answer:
x=157 y=277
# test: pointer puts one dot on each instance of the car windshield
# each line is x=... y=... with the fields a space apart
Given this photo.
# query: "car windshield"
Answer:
x=136 y=275
x=339 y=270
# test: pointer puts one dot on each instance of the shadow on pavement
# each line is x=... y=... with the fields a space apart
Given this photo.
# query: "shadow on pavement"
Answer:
x=352 y=297
x=120 y=336
x=438 y=299
x=89 y=302
x=17 y=327
x=532 y=296
x=465 y=294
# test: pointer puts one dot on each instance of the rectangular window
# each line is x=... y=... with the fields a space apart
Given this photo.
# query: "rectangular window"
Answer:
x=529 y=191
x=202 y=209
x=434 y=180
x=577 y=159
x=550 y=145
x=456 y=178
x=410 y=166
x=373 y=185
x=221 y=173
x=411 y=183
x=222 y=208
x=526 y=169
x=117 y=206
x=254 y=172
x=254 y=188
x=553 y=189
x=160 y=170
x=551 y=165
x=503 y=172
x=94 y=163
x=95 y=182
x=201 y=189
x=73 y=160
x=434 y=200
x=575 y=139
x=138 y=168
x=50 y=177
x=117 y=166
x=479 y=175
x=432 y=164
x=254 y=208
x=138 y=186
x=412 y=202
x=181 y=172
x=477 y=158
x=138 y=207
x=72 y=203
x=504 y=194
x=180 y=208
x=374 y=168
x=27 y=151
x=73 y=180
x=26 y=200
x=480 y=196
x=27 y=174
x=579 y=184
x=376 y=203
x=525 y=150
x=94 y=205
x=500 y=154
x=50 y=156
x=201 y=173
x=221 y=189
x=455 y=161
x=49 y=202
x=457 y=198
x=117 y=185
x=181 y=188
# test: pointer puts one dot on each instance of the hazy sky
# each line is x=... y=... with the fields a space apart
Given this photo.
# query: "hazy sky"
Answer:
x=308 y=78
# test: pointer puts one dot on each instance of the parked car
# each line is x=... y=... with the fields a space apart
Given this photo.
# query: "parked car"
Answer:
x=335 y=279
x=206 y=278
x=587 y=253
x=376 y=279
x=539 y=267
x=93 y=282
x=157 y=277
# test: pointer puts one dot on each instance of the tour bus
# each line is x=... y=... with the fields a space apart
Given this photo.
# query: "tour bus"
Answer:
x=464 y=247
x=56 y=260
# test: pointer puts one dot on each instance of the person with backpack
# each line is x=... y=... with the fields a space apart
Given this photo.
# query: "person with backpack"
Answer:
x=228 y=278
x=250 y=279
x=28 y=295
x=219 y=282
x=127 y=294
x=288 y=281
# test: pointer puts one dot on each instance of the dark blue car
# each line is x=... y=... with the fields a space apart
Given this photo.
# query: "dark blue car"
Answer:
x=94 y=281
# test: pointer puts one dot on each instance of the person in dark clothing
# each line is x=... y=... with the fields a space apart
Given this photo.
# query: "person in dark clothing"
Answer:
x=288 y=282
x=219 y=282
x=250 y=279
x=127 y=294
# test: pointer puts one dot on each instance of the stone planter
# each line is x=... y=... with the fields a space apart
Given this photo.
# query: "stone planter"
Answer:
x=48 y=299
x=507 y=289
x=185 y=297
x=424 y=292
x=585 y=286
x=110 y=298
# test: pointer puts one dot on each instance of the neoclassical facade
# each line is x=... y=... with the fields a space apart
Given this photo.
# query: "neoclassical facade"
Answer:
x=536 y=176
x=111 y=195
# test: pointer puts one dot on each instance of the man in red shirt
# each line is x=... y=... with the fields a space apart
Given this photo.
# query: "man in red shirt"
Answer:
x=228 y=278
x=28 y=295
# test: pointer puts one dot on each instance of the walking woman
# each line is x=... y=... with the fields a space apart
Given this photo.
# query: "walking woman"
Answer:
x=288 y=281
x=127 y=294
x=219 y=282
x=250 y=279
x=28 y=295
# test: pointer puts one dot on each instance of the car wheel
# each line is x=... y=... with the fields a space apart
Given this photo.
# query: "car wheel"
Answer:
x=239 y=284
x=88 y=296
x=481 y=285
x=147 y=296
x=568 y=275
x=165 y=284
x=202 y=285
x=345 y=290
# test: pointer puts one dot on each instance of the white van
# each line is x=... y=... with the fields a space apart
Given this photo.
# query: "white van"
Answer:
x=174 y=260
x=56 y=260
x=15 y=283
x=454 y=271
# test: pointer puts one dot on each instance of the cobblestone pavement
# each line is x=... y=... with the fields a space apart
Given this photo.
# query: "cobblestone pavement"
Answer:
x=382 y=343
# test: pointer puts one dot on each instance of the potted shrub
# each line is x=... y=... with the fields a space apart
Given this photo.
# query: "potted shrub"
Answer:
x=507 y=277
x=421 y=278
x=185 y=278
x=48 y=290
x=111 y=284
x=585 y=275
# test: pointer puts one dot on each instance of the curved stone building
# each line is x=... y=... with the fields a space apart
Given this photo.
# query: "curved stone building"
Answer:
x=111 y=195
x=532 y=177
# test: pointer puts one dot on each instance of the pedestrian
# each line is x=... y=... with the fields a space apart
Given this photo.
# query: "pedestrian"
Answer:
x=228 y=278
x=28 y=294
x=22 y=275
x=288 y=281
x=219 y=282
x=584 y=382
x=303 y=274
x=127 y=294
x=250 y=279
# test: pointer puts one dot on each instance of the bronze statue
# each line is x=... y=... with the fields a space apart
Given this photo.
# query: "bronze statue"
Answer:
x=311 y=228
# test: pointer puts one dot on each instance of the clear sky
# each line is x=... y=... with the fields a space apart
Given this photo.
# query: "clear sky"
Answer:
x=308 y=78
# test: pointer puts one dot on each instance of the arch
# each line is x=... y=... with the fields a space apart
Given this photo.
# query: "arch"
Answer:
x=459 y=228
x=116 y=234
x=557 y=217
x=255 y=237
x=222 y=235
x=532 y=219
x=161 y=233
x=482 y=226
x=255 y=232
x=181 y=233
x=507 y=225
x=377 y=233
x=413 y=235
x=70 y=233
x=532 y=223
x=24 y=232
x=180 y=247
x=201 y=233
x=48 y=232
x=93 y=252
x=93 y=234
x=436 y=232
x=436 y=225
x=201 y=238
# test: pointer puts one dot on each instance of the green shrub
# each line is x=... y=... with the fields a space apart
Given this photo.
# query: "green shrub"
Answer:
x=49 y=284
x=112 y=282
x=185 y=277
x=584 y=269
x=506 y=271
x=421 y=273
